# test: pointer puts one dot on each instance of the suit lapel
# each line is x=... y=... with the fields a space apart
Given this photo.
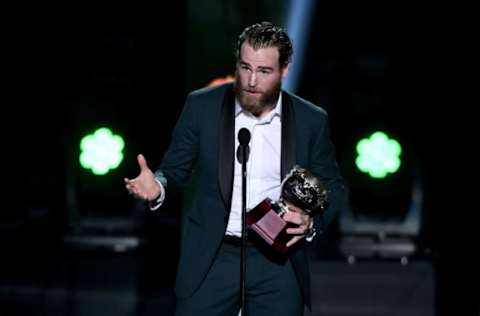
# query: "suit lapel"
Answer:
x=226 y=147
x=288 y=135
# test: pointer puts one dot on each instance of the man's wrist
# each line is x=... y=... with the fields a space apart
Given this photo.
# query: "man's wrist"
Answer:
x=158 y=201
x=157 y=196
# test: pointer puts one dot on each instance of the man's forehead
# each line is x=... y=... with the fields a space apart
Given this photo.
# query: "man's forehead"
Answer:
x=260 y=57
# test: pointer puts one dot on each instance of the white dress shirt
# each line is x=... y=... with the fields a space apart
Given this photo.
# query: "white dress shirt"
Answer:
x=263 y=165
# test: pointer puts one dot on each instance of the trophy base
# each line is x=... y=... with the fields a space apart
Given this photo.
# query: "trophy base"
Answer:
x=267 y=224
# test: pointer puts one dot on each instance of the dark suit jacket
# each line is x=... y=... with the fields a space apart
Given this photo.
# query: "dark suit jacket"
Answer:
x=203 y=140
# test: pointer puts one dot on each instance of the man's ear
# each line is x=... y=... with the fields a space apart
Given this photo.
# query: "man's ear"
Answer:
x=285 y=70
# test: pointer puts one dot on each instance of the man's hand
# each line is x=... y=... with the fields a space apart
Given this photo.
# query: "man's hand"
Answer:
x=144 y=186
x=299 y=217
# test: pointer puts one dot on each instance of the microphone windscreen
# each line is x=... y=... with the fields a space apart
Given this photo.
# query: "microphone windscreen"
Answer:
x=243 y=137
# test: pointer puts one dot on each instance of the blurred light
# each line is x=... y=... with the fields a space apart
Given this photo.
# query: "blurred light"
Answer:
x=378 y=155
x=101 y=151
x=219 y=81
x=300 y=14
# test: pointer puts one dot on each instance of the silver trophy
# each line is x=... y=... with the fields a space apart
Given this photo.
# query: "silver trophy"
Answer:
x=299 y=188
x=302 y=189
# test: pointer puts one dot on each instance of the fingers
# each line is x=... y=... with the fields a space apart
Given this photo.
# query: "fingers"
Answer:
x=295 y=209
x=297 y=231
x=129 y=184
x=142 y=162
x=294 y=240
x=132 y=188
x=303 y=222
x=296 y=218
x=137 y=194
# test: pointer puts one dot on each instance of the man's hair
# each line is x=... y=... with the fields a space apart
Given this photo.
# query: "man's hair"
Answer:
x=265 y=34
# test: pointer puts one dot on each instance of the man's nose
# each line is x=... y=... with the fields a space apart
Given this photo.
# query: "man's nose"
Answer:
x=252 y=80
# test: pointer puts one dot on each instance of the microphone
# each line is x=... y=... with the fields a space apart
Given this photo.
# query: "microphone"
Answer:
x=243 y=139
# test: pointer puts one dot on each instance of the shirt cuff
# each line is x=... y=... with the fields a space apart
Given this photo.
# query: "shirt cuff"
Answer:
x=155 y=204
x=311 y=232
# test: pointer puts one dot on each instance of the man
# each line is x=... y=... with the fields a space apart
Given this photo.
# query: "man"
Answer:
x=285 y=130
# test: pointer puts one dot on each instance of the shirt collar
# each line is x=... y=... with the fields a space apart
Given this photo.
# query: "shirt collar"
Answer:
x=277 y=110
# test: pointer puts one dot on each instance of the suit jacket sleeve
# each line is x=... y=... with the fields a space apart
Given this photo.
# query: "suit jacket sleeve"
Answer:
x=323 y=164
x=179 y=160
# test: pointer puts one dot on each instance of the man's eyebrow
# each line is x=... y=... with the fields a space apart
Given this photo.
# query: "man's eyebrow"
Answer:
x=265 y=68
x=243 y=63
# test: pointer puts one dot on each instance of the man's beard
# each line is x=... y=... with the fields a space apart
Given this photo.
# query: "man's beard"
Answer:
x=255 y=104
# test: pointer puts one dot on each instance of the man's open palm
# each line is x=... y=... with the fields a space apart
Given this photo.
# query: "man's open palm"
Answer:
x=144 y=185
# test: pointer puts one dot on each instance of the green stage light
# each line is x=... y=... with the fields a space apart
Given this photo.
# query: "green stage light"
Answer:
x=101 y=151
x=378 y=155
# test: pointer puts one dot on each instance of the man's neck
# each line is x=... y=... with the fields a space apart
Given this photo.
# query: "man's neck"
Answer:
x=263 y=111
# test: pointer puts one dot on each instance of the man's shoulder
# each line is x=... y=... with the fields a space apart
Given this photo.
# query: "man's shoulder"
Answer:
x=210 y=92
x=305 y=107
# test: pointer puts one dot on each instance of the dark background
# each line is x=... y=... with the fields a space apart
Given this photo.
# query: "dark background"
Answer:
x=70 y=70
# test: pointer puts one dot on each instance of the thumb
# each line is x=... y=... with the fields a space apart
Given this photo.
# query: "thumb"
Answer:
x=142 y=162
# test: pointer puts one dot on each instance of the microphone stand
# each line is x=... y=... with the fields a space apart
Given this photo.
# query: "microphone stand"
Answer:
x=244 y=230
x=244 y=138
